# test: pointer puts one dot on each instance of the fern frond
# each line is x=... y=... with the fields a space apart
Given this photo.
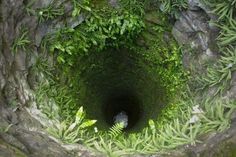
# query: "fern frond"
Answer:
x=116 y=129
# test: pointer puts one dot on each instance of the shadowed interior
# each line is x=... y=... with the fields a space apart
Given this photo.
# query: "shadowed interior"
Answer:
x=117 y=81
x=126 y=102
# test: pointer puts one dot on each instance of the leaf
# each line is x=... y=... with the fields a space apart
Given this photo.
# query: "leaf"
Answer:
x=116 y=129
x=87 y=8
x=87 y=123
x=79 y=115
x=60 y=59
x=151 y=124
x=76 y=12
x=72 y=126
x=8 y=127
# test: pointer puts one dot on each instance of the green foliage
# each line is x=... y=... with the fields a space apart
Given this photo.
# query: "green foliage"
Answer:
x=217 y=117
x=224 y=9
x=49 y=12
x=173 y=7
x=178 y=134
x=71 y=133
x=178 y=131
x=79 y=6
x=55 y=97
x=98 y=32
x=173 y=75
x=165 y=59
x=116 y=129
x=29 y=9
x=228 y=33
x=21 y=41
x=45 y=103
x=219 y=75
x=133 y=6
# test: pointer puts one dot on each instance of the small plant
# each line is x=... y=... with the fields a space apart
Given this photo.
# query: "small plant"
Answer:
x=133 y=6
x=228 y=33
x=220 y=74
x=173 y=7
x=46 y=104
x=116 y=129
x=72 y=133
x=29 y=10
x=225 y=9
x=218 y=117
x=56 y=101
x=50 y=12
x=80 y=5
x=21 y=41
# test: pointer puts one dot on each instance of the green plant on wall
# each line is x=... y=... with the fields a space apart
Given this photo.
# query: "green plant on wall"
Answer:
x=72 y=132
x=220 y=74
x=49 y=12
x=21 y=41
x=97 y=33
x=225 y=9
x=79 y=6
x=173 y=7
x=53 y=10
x=228 y=33
x=133 y=6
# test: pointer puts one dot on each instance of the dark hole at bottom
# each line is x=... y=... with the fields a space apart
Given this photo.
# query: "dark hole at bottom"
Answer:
x=125 y=102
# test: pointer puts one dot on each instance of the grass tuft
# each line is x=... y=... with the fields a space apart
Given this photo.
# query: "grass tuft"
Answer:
x=21 y=41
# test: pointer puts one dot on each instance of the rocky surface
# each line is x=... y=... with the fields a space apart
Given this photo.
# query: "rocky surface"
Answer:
x=23 y=135
x=195 y=32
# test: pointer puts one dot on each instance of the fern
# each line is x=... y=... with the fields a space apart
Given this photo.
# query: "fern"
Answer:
x=116 y=129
